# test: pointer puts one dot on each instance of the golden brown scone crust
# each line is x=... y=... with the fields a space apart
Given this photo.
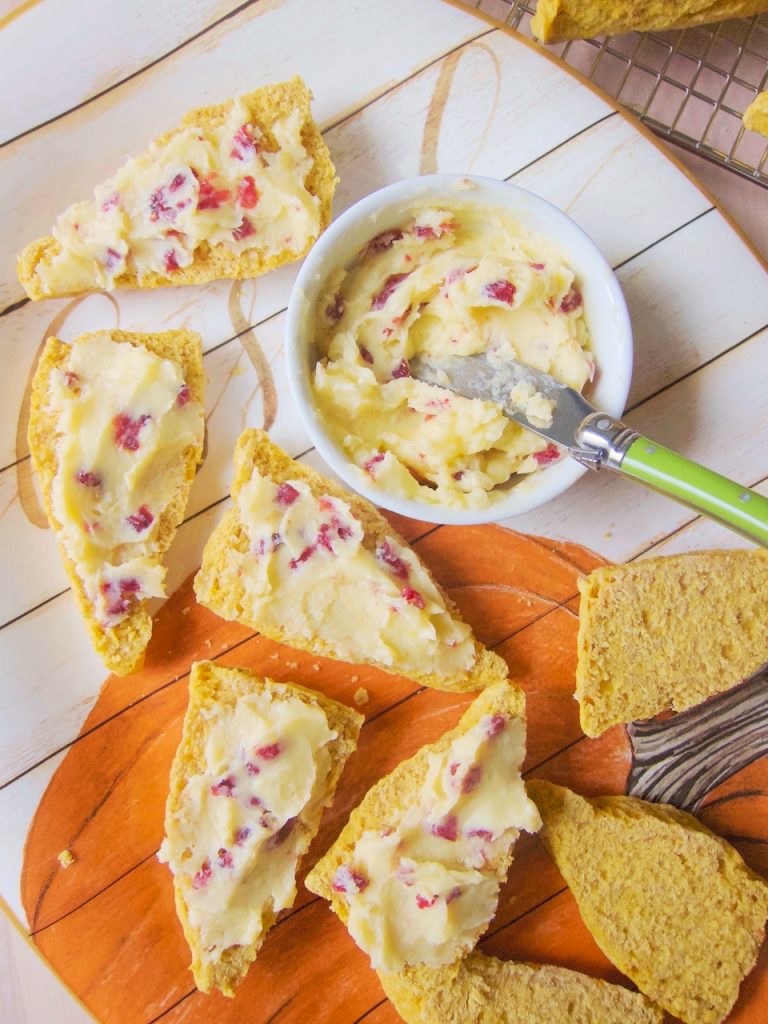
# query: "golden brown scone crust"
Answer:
x=122 y=647
x=219 y=587
x=265 y=105
x=212 y=687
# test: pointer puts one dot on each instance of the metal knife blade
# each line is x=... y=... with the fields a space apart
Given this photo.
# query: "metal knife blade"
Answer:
x=482 y=377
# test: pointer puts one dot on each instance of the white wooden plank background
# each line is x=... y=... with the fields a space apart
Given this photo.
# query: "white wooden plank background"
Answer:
x=697 y=295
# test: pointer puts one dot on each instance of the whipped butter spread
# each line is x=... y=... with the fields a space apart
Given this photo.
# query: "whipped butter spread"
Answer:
x=309 y=574
x=232 y=838
x=421 y=890
x=215 y=184
x=123 y=418
x=449 y=282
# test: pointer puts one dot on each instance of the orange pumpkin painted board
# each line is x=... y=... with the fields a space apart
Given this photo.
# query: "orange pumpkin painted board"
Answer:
x=463 y=97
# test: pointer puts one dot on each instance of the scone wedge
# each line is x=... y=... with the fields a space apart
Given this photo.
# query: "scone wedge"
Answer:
x=671 y=904
x=755 y=117
x=667 y=633
x=415 y=873
x=483 y=990
x=235 y=190
x=116 y=433
x=306 y=563
x=257 y=764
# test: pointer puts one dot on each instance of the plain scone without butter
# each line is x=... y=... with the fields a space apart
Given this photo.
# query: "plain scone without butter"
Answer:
x=211 y=689
x=483 y=990
x=671 y=904
x=212 y=262
x=218 y=584
x=667 y=633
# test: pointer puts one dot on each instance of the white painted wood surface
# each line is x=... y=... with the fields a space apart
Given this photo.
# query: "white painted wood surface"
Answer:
x=698 y=296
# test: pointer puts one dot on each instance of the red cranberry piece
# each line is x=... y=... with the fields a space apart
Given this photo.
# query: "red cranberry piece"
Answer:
x=402 y=369
x=324 y=538
x=177 y=182
x=119 y=594
x=243 y=146
x=424 y=902
x=209 y=197
x=481 y=833
x=536 y=266
x=424 y=231
x=202 y=877
x=126 y=431
x=458 y=474
x=141 y=519
x=183 y=396
x=385 y=554
x=454 y=894
x=571 y=301
x=241 y=835
x=494 y=724
x=335 y=310
x=501 y=291
x=281 y=835
x=390 y=285
x=286 y=494
x=131 y=586
x=549 y=455
x=453 y=768
x=382 y=242
x=413 y=597
x=225 y=787
x=254 y=801
x=472 y=778
x=245 y=230
x=111 y=202
x=159 y=208
x=372 y=463
x=247 y=193
x=302 y=558
x=446 y=828
x=170 y=261
x=366 y=355
x=88 y=479
x=112 y=259
x=73 y=381
x=224 y=859
x=269 y=752
x=349 y=880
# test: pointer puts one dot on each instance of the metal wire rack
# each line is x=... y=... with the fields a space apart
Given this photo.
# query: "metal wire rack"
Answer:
x=690 y=86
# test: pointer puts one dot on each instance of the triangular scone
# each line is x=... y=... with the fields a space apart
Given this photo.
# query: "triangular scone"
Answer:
x=116 y=432
x=483 y=990
x=415 y=873
x=306 y=563
x=235 y=190
x=671 y=904
x=667 y=633
x=755 y=117
x=257 y=763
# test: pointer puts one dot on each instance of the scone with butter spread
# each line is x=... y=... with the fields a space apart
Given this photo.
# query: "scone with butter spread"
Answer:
x=304 y=562
x=446 y=282
x=235 y=190
x=667 y=633
x=115 y=433
x=257 y=763
x=756 y=115
x=483 y=990
x=415 y=873
x=558 y=20
x=671 y=904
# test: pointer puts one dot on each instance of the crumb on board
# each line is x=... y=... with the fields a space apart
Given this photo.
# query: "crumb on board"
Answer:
x=360 y=696
x=66 y=858
x=292 y=665
x=274 y=657
x=187 y=610
x=209 y=642
x=354 y=679
x=315 y=666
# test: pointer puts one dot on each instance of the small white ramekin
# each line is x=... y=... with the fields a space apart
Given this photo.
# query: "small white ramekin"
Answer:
x=604 y=309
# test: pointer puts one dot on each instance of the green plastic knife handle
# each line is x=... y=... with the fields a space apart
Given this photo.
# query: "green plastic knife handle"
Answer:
x=701 y=489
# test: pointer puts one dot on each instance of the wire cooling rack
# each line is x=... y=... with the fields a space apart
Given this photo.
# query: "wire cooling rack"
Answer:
x=690 y=86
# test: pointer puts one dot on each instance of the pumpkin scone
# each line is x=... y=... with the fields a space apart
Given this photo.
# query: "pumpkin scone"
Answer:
x=415 y=873
x=257 y=763
x=234 y=191
x=672 y=905
x=306 y=563
x=558 y=20
x=483 y=990
x=756 y=115
x=667 y=633
x=116 y=433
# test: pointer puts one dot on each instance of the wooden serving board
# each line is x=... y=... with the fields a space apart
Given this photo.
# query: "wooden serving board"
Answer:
x=400 y=88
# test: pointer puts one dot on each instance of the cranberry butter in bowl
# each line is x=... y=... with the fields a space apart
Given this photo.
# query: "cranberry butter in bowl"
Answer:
x=449 y=265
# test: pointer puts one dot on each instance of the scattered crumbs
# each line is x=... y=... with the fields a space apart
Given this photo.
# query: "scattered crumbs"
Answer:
x=354 y=679
x=66 y=858
x=274 y=657
x=209 y=642
x=608 y=534
x=315 y=666
x=238 y=371
x=223 y=647
x=292 y=664
x=360 y=696
x=187 y=610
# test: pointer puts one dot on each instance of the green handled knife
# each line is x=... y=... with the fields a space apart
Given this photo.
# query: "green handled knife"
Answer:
x=600 y=441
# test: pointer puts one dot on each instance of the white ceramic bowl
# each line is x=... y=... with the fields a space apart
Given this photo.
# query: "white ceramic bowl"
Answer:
x=604 y=309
